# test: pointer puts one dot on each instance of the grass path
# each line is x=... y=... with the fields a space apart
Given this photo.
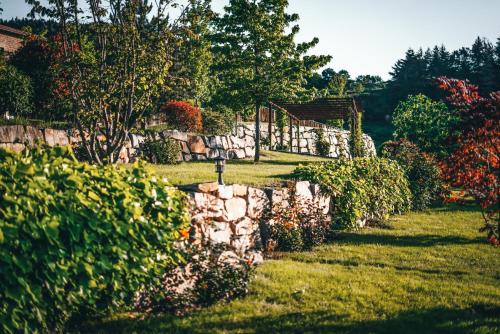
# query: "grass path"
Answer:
x=431 y=272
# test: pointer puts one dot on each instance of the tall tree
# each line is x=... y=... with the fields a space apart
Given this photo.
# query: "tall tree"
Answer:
x=259 y=59
x=116 y=54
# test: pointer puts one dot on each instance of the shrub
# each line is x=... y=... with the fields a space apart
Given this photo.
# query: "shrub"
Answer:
x=203 y=280
x=425 y=122
x=161 y=151
x=16 y=92
x=322 y=144
x=183 y=116
x=215 y=123
x=363 y=190
x=300 y=225
x=79 y=239
x=422 y=170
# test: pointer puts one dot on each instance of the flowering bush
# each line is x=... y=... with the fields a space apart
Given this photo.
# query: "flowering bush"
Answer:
x=79 y=239
x=298 y=226
x=475 y=165
x=363 y=190
x=183 y=116
x=204 y=279
x=422 y=170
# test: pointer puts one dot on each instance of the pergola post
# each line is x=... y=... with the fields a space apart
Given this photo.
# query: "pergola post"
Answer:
x=298 y=136
x=290 y=129
x=270 y=126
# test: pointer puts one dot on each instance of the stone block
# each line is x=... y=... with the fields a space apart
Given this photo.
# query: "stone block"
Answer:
x=225 y=192
x=175 y=134
x=245 y=226
x=226 y=143
x=258 y=203
x=240 y=190
x=32 y=135
x=184 y=147
x=16 y=147
x=196 y=145
x=249 y=141
x=303 y=191
x=11 y=134
x=220 y=232
x=55 y=137
x=208 y=187
x=236 y=208
x=236 y=154
x=187 y=157
x=198 y=157
x=249 y=152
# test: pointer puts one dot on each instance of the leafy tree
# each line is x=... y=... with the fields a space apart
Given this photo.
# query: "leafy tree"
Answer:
x=475 y=165
x=114 y=74
x=16 y=92
x=424 y=122
x=258 y=59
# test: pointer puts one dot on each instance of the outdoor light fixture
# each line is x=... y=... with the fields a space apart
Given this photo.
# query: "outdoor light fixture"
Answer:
x=220 y=163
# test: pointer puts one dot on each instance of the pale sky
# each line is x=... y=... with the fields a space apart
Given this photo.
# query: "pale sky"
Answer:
x=368 y=36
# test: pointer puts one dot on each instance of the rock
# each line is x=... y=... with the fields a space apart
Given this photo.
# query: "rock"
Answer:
x=175 y=134
x=32 y=135
x=246 y=226
x=136 y=140
x=236 y=208
x=219 y=232
x=184 y=147
x=229 y=257
x=303 y=143
x=249 y=152
x=208 y=187
x=11 y=133
x=255 y=258
x=198 y=157
x=240 y=190
x=258 y=203
x=55 y=137
x=123 y=155
x=303 y=192
x=226 y=143
x=249 y=141
x=236 y=154
x=196 y=145
x=225 y=192
x=187 y=157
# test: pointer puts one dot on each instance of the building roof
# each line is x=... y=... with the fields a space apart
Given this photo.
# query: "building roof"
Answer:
x=322 y=109
x=11 y=31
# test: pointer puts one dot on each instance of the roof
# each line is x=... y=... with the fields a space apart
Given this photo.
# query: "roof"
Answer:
x=11 y=31
x=322 y=109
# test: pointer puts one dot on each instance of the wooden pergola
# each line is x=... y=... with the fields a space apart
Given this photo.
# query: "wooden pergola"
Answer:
x=309 y=113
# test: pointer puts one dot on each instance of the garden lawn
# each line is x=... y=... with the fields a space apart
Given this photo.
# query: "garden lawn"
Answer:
x=431 y=273
x=273 y=168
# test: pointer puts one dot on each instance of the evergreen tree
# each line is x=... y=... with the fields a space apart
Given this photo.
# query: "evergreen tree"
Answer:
x=257 y=57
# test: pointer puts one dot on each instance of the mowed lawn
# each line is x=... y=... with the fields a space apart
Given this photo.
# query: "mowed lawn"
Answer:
x=272 y=168
x=431 y=272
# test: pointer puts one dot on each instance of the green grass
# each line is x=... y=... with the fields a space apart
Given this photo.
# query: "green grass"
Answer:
x=273 y=167
x=432 y=272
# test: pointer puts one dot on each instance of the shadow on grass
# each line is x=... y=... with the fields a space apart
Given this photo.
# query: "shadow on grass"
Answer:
x=346 y=238
x=484 y=318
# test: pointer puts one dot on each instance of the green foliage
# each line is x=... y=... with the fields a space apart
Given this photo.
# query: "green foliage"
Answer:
x=215 y=123
x=162 y=151
x=16 y=92
x=422 y=170
x=363 y=189
x=356 y=142
x=425 y=122
x=322 y=144
x=36 y=122
x=78 y=239
x=200 y=282
x=338 y=123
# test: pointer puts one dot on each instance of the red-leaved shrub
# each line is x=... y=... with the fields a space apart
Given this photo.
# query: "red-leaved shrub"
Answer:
x=183 y=116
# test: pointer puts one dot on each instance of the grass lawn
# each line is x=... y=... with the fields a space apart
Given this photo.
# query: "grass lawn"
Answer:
x=273 y=167
x=431 y=272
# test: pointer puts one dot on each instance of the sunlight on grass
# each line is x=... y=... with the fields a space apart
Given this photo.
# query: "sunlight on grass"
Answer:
x=432 y=272
x=273 y=168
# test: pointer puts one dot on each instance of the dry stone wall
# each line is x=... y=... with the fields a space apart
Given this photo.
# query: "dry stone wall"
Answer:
x=238 y=215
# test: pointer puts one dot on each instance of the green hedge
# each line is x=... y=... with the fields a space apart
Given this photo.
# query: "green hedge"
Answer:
x=362 y=189
x=78 y=239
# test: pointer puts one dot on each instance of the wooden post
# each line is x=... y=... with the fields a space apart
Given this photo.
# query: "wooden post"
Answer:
x=290 y=129
x=298 y=136
x=270 y=126
x=257 y=132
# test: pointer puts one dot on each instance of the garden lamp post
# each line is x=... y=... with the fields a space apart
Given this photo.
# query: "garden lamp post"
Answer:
x=220 y=163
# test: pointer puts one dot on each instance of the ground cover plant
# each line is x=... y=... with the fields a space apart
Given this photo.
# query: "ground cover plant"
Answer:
x=431 y=272
x=79 y=240
x=363 y=190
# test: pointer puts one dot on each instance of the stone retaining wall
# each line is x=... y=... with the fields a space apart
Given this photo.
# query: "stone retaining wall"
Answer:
x=237 y=215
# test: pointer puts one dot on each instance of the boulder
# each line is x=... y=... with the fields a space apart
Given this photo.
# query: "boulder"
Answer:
x=55 y=137
x=196 y=145
x=184 y=147
x=208 y=187
x=16 y=147
x=249 y=152
x=219 y=233
x=32 y=134
x=258 y=203
x=240 y=190
x=236 y=208
x=175 y=134
x=11 y=133
x=225 y=192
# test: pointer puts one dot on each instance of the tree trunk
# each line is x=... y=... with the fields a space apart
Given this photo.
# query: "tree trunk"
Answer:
x=257 y=132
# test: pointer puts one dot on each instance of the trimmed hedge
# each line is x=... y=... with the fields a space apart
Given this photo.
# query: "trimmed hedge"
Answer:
x=78 y=239
x=363 y=190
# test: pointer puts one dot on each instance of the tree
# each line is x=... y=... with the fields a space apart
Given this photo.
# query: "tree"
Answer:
x=257 y=58
x=425 y=122
x=115 y=65
x=475 y=165
x=16 y=92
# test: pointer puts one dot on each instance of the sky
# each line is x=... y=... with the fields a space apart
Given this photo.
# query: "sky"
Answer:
x=369 y=36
